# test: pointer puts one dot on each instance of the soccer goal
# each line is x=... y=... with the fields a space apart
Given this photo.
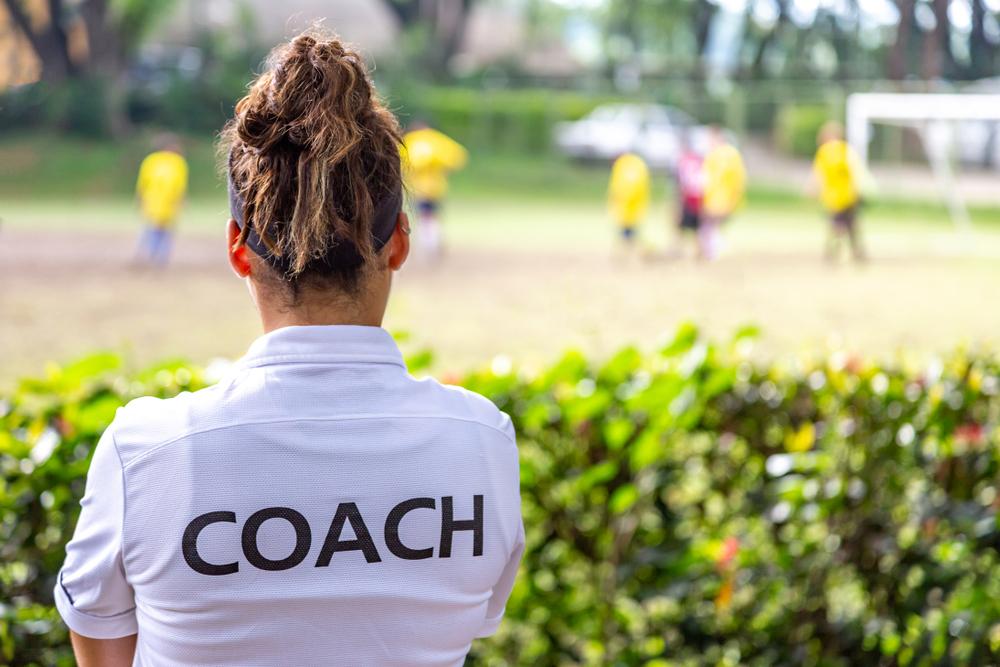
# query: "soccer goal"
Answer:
x=935 y=117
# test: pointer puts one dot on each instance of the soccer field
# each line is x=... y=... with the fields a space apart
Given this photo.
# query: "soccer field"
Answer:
x=527 y=275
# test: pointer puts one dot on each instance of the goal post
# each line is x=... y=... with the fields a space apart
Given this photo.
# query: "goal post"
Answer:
x=934 y=117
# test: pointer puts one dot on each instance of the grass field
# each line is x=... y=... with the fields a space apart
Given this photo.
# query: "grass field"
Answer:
x=529 y=271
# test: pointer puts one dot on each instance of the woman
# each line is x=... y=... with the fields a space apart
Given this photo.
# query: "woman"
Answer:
x=318 y=506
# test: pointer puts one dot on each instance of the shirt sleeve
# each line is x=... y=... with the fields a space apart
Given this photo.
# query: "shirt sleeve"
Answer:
x=501 y=591
x=505 y=584
x=92 y=593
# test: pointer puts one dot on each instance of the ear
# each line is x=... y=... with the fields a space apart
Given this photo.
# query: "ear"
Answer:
x=399 y=243
x=237 y=251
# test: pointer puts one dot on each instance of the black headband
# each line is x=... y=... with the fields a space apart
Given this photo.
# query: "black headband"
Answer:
x=343 y=253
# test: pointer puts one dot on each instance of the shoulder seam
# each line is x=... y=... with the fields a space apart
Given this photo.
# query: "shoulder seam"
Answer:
x=189 y=434
x=121 y=463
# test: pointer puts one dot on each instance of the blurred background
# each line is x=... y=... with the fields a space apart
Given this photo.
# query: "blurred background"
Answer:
x=543 y=94
x=806 y=475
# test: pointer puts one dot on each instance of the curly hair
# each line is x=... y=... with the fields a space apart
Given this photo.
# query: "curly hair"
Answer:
x=312 y=153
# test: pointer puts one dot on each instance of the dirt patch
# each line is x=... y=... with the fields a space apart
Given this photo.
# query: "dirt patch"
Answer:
x=63 y=294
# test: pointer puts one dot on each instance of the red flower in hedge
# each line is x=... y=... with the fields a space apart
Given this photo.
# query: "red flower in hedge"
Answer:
x=970 y=433
x=62 y=426
x=730 y=549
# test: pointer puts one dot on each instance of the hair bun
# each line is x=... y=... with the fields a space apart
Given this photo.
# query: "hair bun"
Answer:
x=325 y=150
x=308 y=80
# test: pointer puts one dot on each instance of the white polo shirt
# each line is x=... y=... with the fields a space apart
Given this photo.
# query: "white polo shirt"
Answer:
x=318 y=506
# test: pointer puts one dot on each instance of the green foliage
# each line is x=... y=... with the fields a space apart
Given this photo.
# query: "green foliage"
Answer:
x=43 y=168
x=693 y=508
x=48 y=429
x=797 y=127
x=687 y=507
x=77 y=107
x=161 y=94
x=198 y=102
x=134 y=19
x=512 y=120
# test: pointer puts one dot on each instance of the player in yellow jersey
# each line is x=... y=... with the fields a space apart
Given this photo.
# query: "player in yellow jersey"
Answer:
x=161 y=186
x=837 y=171
x=430 y=156
x=725 y=187
x=628 y=195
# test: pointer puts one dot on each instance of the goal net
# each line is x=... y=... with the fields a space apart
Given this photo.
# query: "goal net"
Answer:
x=935 y=118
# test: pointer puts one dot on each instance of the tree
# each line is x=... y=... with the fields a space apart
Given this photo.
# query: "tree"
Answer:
x=114 y=30
x=898 y=54
x=50 y=42
x=938 y=60
x=445 y=22
x=769 y=37
x=982 y=52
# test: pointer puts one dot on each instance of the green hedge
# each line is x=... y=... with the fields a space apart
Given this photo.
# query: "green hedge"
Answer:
x=518 y=120
x=78 y=107
x=686 y=507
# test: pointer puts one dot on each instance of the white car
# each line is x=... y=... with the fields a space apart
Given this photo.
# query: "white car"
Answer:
x=653 y=131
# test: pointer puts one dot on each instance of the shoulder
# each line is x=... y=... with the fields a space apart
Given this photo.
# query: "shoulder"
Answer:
x=458 y=403
x=144 y=424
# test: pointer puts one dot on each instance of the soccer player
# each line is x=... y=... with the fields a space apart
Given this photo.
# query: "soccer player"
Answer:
x=161 y=186
x=690 y=185
x=628 y=196
x=317 y=506
x=725 y=186
x=838 y=172
x=430 y=156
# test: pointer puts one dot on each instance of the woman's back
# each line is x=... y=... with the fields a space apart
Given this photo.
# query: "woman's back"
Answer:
x=317 y=503
x=318 y=506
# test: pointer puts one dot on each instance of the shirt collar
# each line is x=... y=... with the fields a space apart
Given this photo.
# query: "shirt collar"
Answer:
x=324 y=344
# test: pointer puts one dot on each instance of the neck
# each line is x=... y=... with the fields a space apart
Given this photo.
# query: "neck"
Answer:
x=312 y=306
x=273 y=321
x=320 y=308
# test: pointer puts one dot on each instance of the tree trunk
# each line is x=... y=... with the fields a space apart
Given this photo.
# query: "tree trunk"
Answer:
x=757 y=64
x=49 y=44
x=704 y=12
x=451 y=29
x=897 y=68
x=842 y=47
x=937 y=47
x=107 y=59
x=407 y=12
x=106 y=51
x=447 y=20
x=980 y=50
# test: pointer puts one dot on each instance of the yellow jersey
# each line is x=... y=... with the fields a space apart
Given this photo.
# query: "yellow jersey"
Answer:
x=837 y=170
x=163 y=180
x=428 y=157
x=628 y=191
x=725 y=181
